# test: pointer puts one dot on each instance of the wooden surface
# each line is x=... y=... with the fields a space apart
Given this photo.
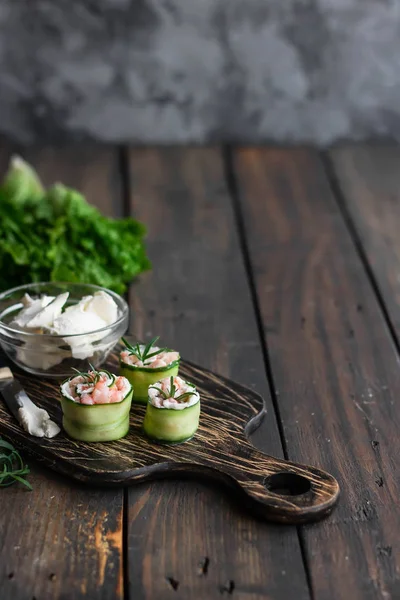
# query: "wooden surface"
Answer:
x=334 y=365
x=197 y=295
x=270 y=487
x=277 y=268
x=64 y=536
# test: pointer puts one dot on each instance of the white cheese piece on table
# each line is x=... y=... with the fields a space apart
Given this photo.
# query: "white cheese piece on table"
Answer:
x=36 y=421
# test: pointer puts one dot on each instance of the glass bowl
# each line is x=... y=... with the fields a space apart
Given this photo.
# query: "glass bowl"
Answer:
x=51 y=355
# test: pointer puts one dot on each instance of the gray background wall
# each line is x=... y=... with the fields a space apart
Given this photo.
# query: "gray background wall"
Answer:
x=200 y=70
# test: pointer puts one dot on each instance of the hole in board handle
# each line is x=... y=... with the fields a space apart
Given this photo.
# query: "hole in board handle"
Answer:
x=287 y=484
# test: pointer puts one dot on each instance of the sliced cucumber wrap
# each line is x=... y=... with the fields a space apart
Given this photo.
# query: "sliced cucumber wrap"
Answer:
x=96 y=422
x=168 y=425
x=142 y=377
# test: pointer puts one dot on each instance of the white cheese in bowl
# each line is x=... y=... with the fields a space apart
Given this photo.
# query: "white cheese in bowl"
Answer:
x=31 y=309
x=100 y=304
x=76 y=321
x=45 y=317
x=91 y=313
x=46 y=314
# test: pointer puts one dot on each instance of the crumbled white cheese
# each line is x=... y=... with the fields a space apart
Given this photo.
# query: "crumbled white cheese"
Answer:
x=171 y=403
x=91 y=313
x=76 y=320
x=100 y=304
x=88 y=315
x=32 y=308
x=27 y=300
x=49 y=313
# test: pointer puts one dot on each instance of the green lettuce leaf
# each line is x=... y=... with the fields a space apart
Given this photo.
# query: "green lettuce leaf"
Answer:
x=55 y=235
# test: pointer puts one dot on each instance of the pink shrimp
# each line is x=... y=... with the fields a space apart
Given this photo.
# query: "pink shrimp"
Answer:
x=116 y=396
x=162 y=359
x=101 y=392
x=120 y=383
x=130 y=359
x=158 y=363
x=85 y=399
x=165 y=384
x=96 y=389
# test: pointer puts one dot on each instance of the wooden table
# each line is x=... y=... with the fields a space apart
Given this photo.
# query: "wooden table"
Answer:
x=281 y=269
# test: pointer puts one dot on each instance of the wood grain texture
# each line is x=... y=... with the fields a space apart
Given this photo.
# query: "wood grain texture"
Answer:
x=368 y=177
x=63 y=540
x=334 y=366
x=219 y=450
x=91 y=169
x=197 y=299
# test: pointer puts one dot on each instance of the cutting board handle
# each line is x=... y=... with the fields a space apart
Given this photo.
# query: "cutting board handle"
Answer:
x=284 y=491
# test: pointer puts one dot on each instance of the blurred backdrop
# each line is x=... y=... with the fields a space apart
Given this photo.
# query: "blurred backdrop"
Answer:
x=179 y=71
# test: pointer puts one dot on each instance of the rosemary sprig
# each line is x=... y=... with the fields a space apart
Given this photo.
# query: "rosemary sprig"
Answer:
x=185 y=395
x=159 y=390
x=12 y=468
x=172 y=391
x=92 y=376
x=144 y=354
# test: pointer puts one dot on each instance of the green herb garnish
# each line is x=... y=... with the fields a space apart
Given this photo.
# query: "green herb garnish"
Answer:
x=54 y=234
x=143 y=354
x=12 y=468
x=172 y=391
x=93 y=376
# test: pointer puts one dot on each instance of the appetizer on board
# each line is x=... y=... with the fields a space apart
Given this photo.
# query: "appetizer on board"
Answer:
x=96 y=406
x=173 y=411
x=144 y=365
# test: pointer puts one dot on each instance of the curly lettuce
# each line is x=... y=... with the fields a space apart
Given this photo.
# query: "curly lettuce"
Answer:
x=55 y=235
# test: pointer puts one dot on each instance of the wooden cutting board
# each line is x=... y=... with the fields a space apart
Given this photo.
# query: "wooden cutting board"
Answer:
x=274 y=488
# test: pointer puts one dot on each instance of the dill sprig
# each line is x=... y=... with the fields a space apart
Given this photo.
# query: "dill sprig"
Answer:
x=143 y=354
x=172 y=391
x=12 y=468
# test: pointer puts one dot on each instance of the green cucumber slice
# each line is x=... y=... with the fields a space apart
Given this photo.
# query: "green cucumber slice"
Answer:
x=96 y=422
x=171 y=426
x=142 y=377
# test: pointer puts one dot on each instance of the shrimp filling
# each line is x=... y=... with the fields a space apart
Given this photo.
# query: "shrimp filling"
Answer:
x=162 y=359
x=96 y=388
x=178 y=396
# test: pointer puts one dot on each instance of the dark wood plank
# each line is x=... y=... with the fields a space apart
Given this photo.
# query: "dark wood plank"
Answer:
x=369 y=179
x=197 y=299
x=219 y=451
x=62 y=538
x=334 y=366
x=91 y=169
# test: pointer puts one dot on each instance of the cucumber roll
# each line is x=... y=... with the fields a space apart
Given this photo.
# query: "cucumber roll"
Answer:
x=172 y=412
x=144 y=365
x=96 y=406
